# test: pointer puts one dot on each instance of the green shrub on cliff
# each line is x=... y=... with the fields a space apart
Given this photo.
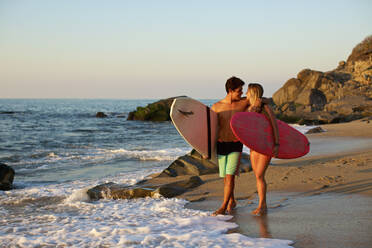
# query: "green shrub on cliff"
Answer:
x=157 y=111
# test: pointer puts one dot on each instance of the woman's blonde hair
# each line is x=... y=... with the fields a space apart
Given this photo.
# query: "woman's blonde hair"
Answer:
x=256 y=92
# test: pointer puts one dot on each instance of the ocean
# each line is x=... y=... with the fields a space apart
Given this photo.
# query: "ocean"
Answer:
x=59 y=149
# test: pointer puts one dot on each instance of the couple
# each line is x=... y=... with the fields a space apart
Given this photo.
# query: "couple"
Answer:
x=229 y=149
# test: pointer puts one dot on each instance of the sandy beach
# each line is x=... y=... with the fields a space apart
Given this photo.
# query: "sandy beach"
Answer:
x=321 y=200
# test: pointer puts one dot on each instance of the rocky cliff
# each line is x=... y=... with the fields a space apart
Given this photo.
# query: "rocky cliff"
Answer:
x=342 y=94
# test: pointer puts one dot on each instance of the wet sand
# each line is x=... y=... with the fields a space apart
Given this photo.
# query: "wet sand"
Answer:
x=325 y=220
x=321 y=200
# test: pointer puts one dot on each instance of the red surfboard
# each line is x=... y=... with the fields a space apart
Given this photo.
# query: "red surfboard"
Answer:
x=254 y=131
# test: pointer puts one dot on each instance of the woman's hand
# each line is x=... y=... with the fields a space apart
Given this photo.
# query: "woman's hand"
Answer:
x=257 y=106
x=258 y=103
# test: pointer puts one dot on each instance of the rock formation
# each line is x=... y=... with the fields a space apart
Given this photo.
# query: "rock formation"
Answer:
x=118 y=191
x=342 y=94
x=190 y=164
x=157 y=111
x=180 y=176
x=194 y=164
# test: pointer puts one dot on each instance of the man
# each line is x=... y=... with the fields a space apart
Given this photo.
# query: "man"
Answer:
x=229 y=148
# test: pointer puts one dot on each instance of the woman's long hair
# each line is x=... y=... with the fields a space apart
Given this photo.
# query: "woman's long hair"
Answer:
x=255 y=92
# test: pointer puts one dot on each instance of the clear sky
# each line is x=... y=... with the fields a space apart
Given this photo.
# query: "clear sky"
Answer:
x=156 y=49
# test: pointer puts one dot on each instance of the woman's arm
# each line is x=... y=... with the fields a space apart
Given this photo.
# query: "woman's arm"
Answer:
x=274 y=126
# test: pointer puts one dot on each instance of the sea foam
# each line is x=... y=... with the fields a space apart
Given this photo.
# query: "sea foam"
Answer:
x=144 y=222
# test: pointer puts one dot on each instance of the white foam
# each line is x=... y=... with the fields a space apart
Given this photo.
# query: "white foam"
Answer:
x=302 y=128
x=146 y=155
x=127 y=223
x=61 y=215
x=78 y=195
x=97 y=155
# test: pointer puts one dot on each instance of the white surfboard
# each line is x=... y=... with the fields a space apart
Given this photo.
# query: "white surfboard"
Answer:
x=197 y=124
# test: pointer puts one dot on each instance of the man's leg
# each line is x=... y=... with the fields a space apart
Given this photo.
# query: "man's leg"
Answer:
x=228 y=190
x=222 y=159
x=231 y=164
x=231 y=169
x=232 y=203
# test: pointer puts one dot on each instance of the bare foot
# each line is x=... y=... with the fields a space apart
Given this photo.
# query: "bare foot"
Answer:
x=230 y=207
x=219 y=211
x=259 y=211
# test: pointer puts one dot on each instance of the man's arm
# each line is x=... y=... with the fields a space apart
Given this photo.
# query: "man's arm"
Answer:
x=265 y=100
x=215 y=107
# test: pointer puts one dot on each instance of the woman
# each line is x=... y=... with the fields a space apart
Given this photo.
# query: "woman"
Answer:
x=259 y=161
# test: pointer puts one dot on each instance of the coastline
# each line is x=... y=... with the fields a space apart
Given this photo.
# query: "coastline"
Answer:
x=315 y=201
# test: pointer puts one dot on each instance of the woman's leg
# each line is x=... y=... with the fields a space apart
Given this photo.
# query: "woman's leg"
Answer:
x=260 y=163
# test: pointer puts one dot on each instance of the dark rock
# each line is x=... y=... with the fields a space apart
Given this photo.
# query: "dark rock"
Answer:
x=157 y=111
x=142 y=189
x=101 y=115
x=194 y=164
x=367 y=119
x=317 y=100
x=7 y=112
x=118 y=191
x=178 y=188
x=6 y=177
x=245 y=163
x=190 y=164
x=315 y=130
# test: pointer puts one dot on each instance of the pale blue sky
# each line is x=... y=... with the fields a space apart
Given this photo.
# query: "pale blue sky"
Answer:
x=157 y=49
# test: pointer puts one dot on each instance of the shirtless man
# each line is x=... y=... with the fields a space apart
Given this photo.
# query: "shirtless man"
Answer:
x=229 y=149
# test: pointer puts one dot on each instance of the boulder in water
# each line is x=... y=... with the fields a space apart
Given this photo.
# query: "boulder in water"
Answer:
x=146 y=188
x=315 y=130
x=101 y=115
x=157 y=111
x=178 y=188
x=6 y=177
x=119 y=191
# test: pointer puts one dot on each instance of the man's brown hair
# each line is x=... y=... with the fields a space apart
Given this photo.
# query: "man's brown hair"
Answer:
x=233 y=83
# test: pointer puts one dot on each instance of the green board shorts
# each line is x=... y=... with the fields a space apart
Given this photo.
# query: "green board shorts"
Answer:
x=228 y=164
